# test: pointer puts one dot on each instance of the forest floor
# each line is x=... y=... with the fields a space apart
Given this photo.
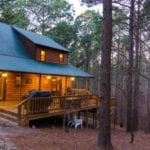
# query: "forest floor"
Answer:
x=14 y=137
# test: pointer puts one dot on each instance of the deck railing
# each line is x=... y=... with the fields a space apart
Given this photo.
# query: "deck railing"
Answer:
x=32 y=106
x=46 y=105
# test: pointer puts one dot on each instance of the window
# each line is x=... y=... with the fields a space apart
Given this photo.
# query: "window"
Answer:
x=18 y=81
x=61 y=58
x=43 y=55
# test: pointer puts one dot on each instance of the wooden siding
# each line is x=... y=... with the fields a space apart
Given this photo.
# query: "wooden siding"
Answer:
x=52 y=55
x=15 y=91
x=11 y=89
x=29 y=46
x=29 y=82
x=0 y=86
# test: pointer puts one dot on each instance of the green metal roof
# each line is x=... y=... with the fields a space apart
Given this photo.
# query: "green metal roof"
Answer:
x=40 y=39
x=10 y=43
x=14 y=57
x=9 y=63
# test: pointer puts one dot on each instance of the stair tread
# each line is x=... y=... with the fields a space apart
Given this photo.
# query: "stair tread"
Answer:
x=9 y=117
x=8 y=112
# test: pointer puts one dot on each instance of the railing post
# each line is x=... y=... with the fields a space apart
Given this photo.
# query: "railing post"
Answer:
x=19 y=114
x=97 y=109
x=64 y=120
x=27 y=107
x=86 y=118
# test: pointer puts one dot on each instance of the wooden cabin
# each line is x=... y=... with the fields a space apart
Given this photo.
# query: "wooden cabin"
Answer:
x=31 y=62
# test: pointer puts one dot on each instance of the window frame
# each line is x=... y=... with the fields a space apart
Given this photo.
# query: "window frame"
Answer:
x=61 y=58
x=42 y=55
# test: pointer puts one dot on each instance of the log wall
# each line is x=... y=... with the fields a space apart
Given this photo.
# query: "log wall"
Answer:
x=20 y=84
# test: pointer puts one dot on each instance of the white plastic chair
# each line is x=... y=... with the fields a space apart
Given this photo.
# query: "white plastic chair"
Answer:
x=76 y=122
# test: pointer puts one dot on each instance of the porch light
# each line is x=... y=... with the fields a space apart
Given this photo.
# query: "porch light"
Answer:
x=72 y=78
x=48 y=77
x=4 y=74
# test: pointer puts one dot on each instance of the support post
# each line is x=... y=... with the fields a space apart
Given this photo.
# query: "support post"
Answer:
x=86 y=118
x=64 y=120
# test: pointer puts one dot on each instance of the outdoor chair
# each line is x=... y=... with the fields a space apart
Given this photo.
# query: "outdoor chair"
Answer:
x=75 y=122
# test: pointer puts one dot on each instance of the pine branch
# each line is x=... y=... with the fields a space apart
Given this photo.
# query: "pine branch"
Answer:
x=119 y=3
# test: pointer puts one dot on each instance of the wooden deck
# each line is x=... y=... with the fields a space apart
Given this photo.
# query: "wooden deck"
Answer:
x=37 y=108
x=43 y=107
x=9 y=105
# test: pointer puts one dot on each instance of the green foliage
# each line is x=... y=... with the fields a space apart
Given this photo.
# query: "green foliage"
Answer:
x=120 y=29
x=88 y=29
x=119 y=16
x=61 y=10
x=11 y=12
x=146 y=11
x=91 y=3
x=47 y=14
x=63 y=33
x=145 y=18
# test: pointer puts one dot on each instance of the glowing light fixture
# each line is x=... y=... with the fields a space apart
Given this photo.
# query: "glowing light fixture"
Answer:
x=72 y=78
x=4 y=74
x=48 y=77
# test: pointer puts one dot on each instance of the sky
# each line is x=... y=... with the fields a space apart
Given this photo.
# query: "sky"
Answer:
x=82 y=8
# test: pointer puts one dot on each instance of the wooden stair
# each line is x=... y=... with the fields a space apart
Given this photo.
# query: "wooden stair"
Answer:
x=12 y=116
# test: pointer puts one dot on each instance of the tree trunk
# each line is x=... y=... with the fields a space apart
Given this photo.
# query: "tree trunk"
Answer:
x=130 y=71
x=87 y=59
x=137 y=71
x=104 y=136
x=119 y=80
x=147 y=124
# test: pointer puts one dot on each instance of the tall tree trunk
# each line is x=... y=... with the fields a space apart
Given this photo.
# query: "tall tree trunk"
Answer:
x=147 y=124
x=137 y=71
x=130 y=71
x=104 y=136
x=119 y=79
x=87 y=59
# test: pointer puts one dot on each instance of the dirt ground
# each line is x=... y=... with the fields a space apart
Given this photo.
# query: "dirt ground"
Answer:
x=14 y=137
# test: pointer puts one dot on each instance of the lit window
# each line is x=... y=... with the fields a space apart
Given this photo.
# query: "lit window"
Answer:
x=61 y=58
x=43 y=55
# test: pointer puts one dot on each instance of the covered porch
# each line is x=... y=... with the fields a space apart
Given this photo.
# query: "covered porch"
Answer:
x=17 y=85
x=69 y=94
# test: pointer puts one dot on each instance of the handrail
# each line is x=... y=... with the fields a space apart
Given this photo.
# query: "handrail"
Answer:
x=32 y=106
x=22 y=102
x=45 y=105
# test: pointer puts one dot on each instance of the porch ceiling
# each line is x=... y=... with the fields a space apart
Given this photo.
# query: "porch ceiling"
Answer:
x=18 y=64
